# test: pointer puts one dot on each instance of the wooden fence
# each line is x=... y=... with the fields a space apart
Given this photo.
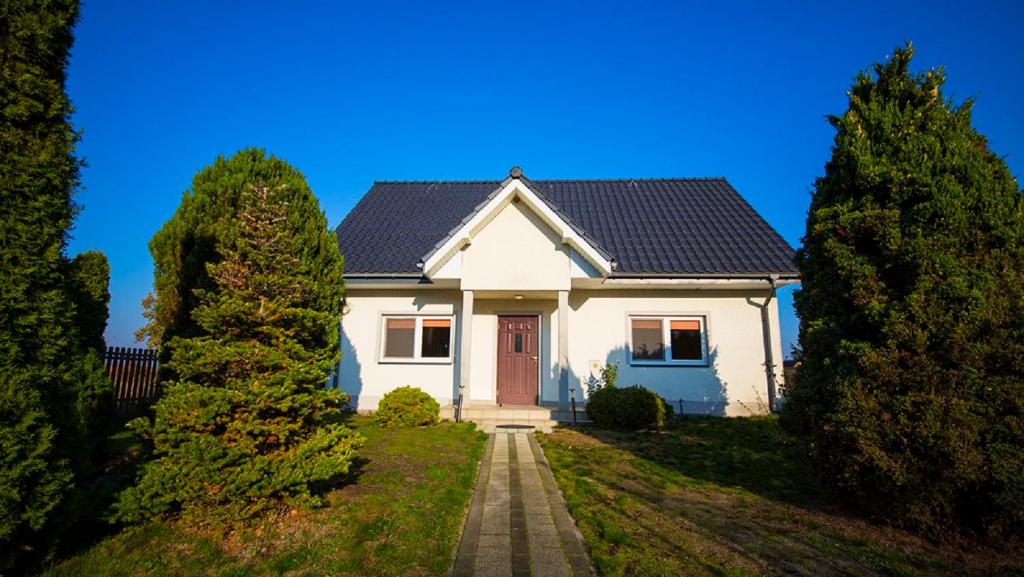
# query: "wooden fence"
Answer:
x=133 y=374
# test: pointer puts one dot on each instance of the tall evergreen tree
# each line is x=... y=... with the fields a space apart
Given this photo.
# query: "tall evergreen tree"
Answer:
x=911 y=387
x=192 y=237
x=247 y=423
x=89 y=277
x=47 y=378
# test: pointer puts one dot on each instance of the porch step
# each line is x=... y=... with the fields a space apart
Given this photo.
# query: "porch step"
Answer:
x=493 y=415
x=566 y=416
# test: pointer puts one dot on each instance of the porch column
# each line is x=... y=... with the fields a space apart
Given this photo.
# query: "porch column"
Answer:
x=563 y=349
x=465 y=330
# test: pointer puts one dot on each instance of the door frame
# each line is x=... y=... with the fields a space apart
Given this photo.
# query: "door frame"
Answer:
x=540 y=348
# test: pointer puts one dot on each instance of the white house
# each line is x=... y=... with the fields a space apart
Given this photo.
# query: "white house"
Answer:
x=515 y=292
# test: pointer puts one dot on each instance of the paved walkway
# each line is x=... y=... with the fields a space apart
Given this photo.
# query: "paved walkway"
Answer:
x=518 y=524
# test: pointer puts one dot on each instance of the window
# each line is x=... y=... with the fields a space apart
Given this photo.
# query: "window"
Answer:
x=400 y=339
x=668 y=340
x=437 y=338
x=647 y=340
x=685 y=341
x=417 y=339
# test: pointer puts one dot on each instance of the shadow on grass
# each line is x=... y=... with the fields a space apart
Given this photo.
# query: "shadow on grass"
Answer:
x=358 y=465
x=751 y=454
x=118 y=460
x=720 y=496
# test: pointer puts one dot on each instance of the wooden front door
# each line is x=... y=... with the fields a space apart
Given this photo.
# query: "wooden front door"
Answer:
x=518 y=360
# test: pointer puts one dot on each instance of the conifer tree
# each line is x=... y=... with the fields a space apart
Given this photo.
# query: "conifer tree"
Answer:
x=49 y=382
x=247 y=423
x=911 y=387
x=89 y=278
x=192 y=237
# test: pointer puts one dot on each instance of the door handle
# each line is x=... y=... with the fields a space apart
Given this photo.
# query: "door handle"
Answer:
x=534 y=358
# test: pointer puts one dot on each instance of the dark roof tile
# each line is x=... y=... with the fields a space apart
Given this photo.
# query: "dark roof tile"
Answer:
x=682 y=226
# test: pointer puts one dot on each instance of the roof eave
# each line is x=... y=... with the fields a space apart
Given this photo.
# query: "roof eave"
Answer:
x=782 y=276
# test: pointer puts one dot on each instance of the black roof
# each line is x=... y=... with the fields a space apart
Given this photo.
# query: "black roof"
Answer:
x=681 y=226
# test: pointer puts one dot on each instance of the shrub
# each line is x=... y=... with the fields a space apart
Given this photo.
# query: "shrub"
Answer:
x=632 y=408
x=407 y=407
x=601 y=406
x=670 y=411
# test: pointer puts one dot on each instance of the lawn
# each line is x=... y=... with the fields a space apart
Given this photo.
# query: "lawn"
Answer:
x=732 y=497
x=401 y=514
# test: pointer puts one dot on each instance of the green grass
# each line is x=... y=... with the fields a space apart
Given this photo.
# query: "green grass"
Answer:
x=731 y=498
x=400 y=515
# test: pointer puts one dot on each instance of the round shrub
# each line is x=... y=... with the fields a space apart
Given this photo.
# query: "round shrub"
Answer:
x=407 y=407
x=600 y=404
x=632 y=408
x=639 y=408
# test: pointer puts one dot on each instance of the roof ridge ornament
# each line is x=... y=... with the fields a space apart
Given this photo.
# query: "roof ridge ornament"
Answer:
x=515 y=172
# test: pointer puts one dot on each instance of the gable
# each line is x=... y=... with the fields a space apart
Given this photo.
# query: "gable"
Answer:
x=536 y=215
x=516 y=250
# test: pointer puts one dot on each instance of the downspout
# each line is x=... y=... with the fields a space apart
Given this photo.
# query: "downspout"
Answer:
x=769 y=357
x=341 y=340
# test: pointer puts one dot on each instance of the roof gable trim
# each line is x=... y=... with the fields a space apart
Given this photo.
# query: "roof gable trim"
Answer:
x=512 y=188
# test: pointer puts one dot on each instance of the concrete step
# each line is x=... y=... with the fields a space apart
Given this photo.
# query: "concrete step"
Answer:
x=508 y=413
x=513 y=413
x=566 y=416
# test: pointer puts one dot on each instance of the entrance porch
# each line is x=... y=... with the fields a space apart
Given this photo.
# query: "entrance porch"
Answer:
x=513 y=349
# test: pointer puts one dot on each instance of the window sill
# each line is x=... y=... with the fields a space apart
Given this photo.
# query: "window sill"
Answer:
x=702 y=363
x=421 y=361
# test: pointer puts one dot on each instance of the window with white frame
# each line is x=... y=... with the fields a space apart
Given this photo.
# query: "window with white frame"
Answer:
x=416 y=338
x=668 y=340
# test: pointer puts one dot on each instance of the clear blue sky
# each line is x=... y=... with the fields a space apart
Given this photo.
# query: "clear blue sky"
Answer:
x=355 y=92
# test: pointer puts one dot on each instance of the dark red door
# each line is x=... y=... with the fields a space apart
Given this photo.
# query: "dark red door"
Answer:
x=518 y=360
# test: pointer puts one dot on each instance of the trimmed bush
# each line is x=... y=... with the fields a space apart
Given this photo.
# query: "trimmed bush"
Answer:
x=601 y=406
x=632 y=408
x=407 y=407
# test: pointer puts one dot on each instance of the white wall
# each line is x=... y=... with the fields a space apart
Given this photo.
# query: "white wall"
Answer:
x=362 y=375
x=516 y=251
x=733 y=384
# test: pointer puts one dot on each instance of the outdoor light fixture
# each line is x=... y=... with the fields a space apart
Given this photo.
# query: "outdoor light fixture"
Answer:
x=518 y=297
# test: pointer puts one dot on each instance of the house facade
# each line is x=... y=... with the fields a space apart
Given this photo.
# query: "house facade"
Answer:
x=517 y=292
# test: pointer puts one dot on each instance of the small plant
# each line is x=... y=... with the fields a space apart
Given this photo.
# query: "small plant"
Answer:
x=632 y=408
x=609 y=375
x=407 y=407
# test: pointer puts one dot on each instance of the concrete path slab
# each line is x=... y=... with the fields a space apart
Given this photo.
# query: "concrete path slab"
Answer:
x=517 y=525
